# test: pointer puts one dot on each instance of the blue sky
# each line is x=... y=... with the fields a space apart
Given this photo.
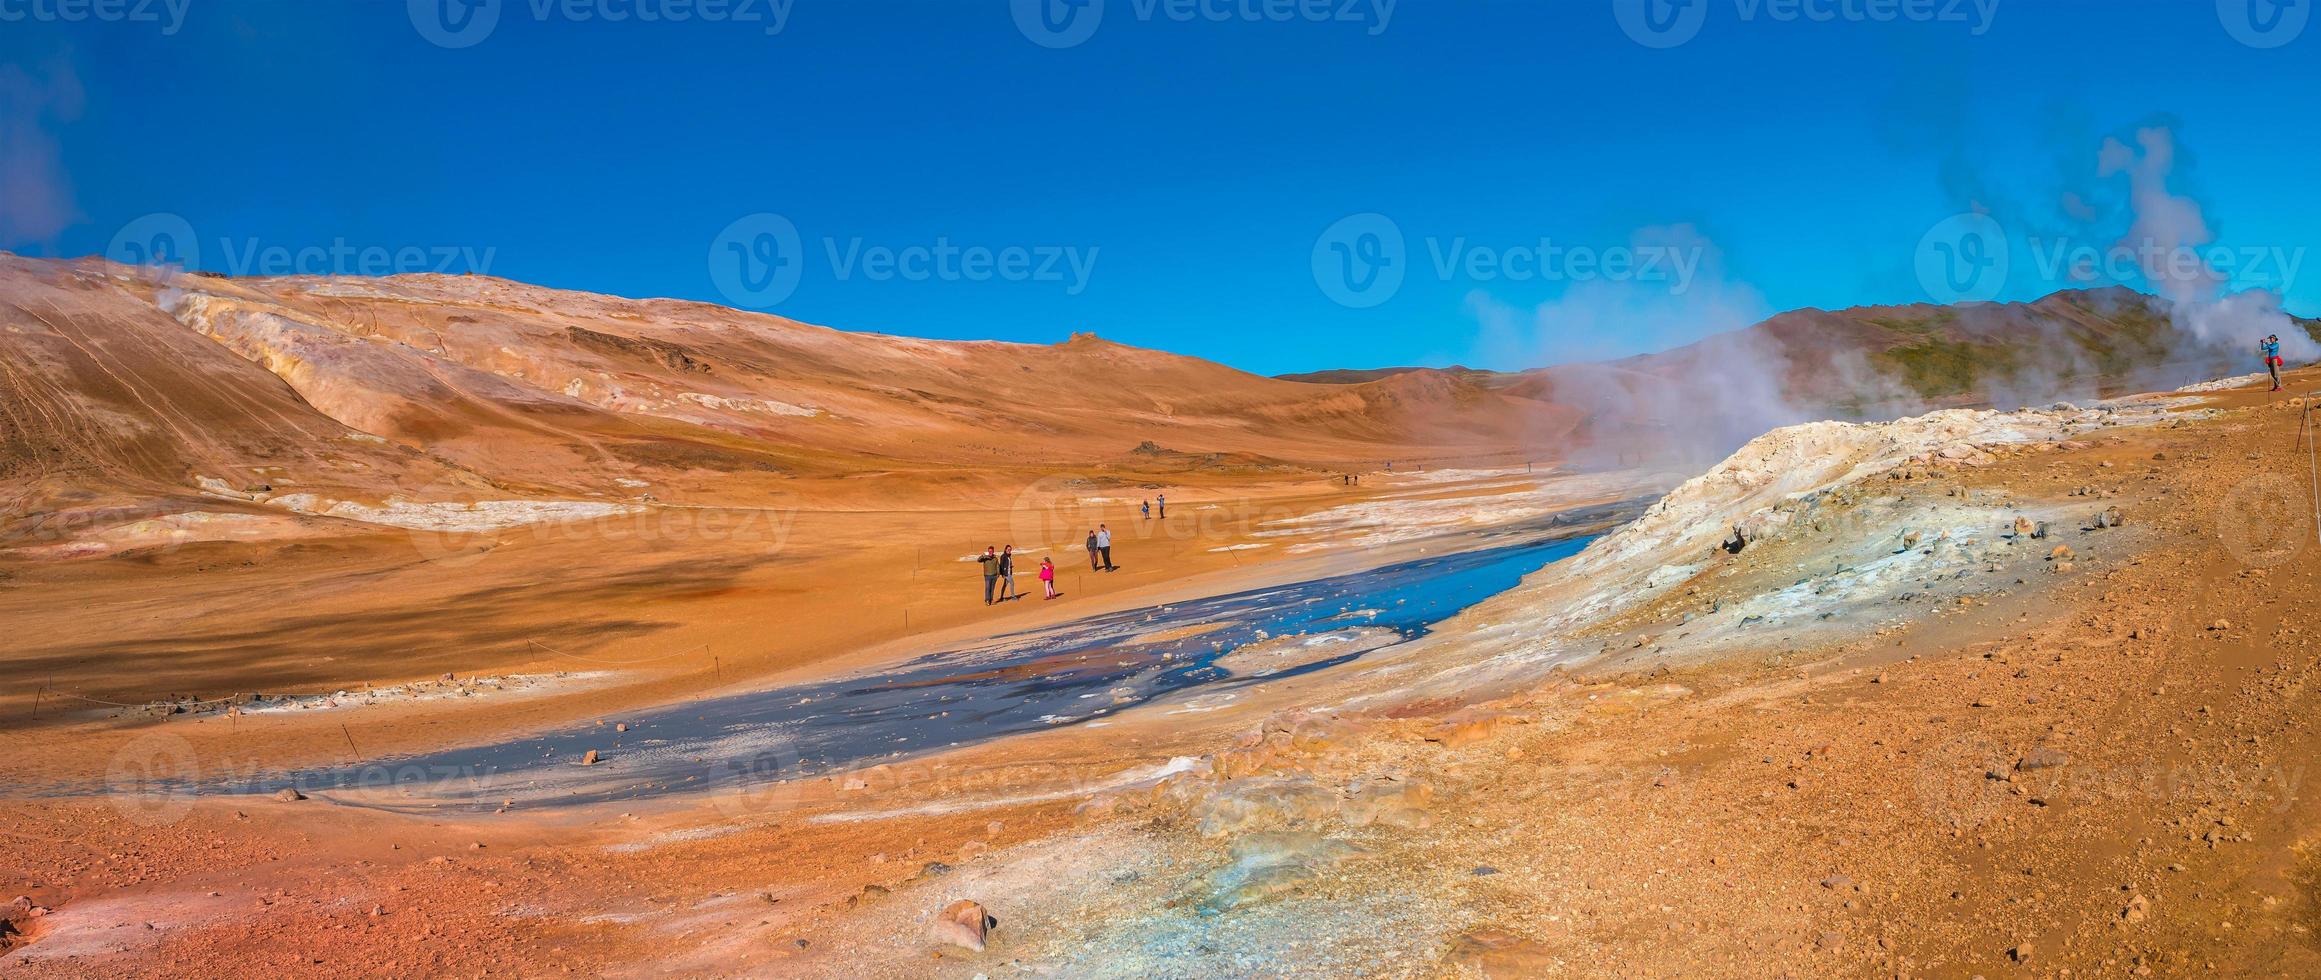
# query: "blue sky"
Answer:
x=1173 y=177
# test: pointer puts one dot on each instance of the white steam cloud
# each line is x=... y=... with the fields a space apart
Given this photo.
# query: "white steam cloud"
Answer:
x=2169 y=236
x=1716 y=386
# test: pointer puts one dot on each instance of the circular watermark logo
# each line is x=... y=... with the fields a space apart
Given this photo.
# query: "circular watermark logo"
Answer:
x=2264 y=520
x=1052 y=511
x=454 y=23
x=151 y=779
x=1058 y=23
x=2264 y=23
x=1359 y=260
x=757 y=260
x=156 y=239
x=1963 y=259
x=1660 y=23
x=758 y=780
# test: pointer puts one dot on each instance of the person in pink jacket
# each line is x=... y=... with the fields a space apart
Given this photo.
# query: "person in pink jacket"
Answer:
x=1048 y=576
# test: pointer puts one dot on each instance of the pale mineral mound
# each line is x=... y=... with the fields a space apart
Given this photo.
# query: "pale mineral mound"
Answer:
x=1757 y=496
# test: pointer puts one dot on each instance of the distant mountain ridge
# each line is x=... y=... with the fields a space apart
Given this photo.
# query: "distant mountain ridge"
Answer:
x=1932 y=351
x=2109 y=338
x=155 y=391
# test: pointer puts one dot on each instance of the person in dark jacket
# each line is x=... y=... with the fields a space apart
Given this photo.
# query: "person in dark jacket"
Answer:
x=990 y=562
x=1093 y=565
x=1007 y=574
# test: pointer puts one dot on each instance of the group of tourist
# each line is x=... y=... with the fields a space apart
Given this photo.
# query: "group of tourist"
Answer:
x=998 y=563
x=999 y=574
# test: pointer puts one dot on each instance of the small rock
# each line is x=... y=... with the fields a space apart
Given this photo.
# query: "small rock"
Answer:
x=2021 y=954
x=1495 y=952
x=288 y=795
x=1837 y=883
x=2062 y=552
x=2043 y=757
x=963 y=923
x=589 y=759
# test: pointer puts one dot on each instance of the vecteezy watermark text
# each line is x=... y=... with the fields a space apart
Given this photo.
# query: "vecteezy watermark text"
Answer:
x=466 y=23
x=1070 y=23
x=1669 y=23
x=1547 y=261
x=1361 y=260
x=2085 y=262
x=759 y=260
x=949 y=262
x=1968 y=258
x=169 y=240
x=170 y=14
